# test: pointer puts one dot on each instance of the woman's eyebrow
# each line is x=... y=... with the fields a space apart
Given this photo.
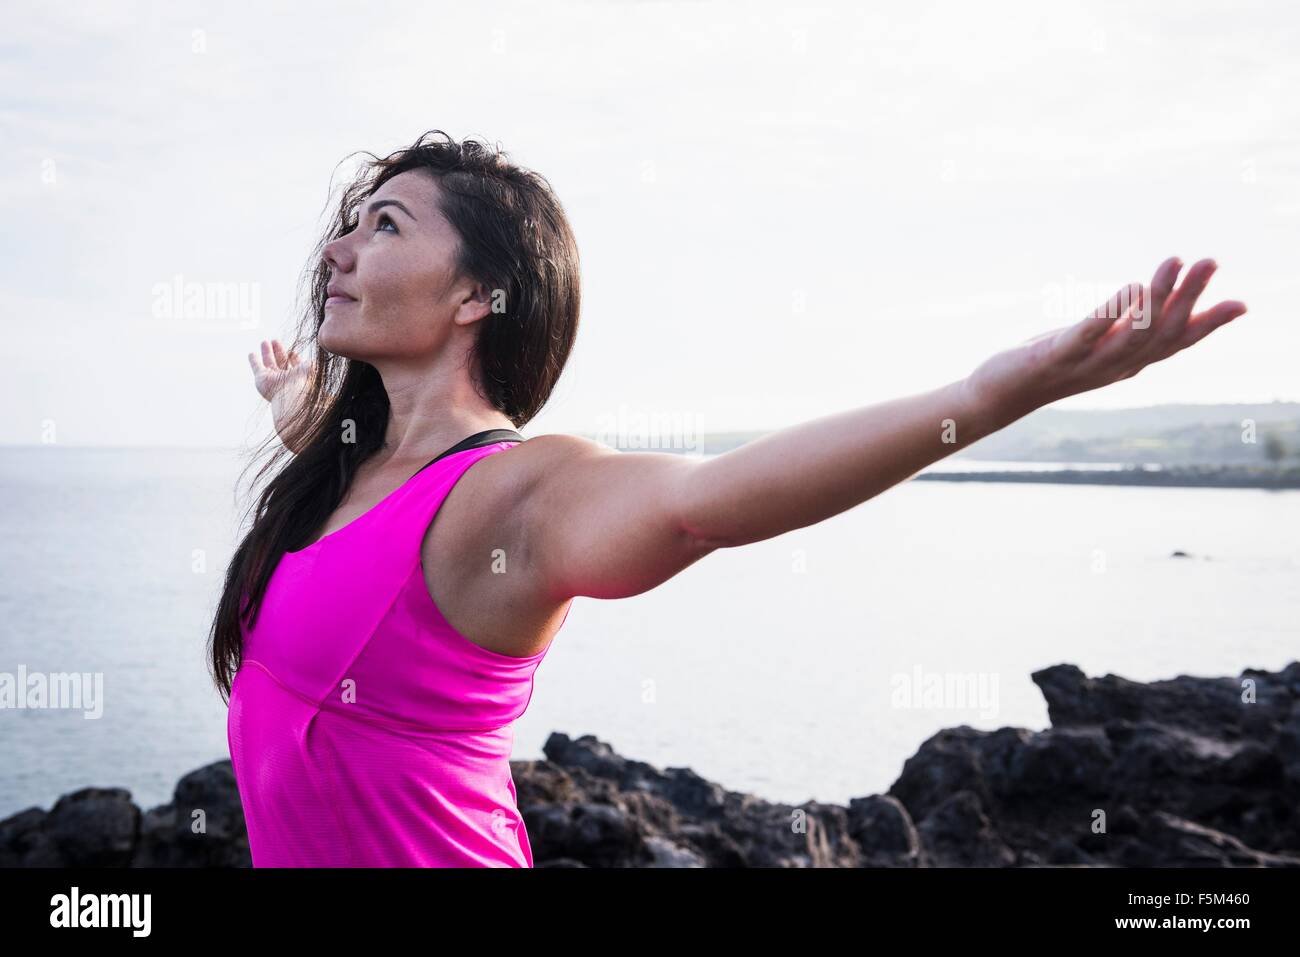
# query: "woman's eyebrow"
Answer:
x=381 y=203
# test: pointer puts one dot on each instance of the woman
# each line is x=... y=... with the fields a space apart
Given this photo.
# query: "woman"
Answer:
x=408 y=568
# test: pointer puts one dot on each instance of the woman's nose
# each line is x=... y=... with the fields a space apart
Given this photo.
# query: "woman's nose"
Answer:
x=336 y=254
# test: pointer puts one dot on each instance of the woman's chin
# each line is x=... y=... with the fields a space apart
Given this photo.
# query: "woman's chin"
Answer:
x=330 y=339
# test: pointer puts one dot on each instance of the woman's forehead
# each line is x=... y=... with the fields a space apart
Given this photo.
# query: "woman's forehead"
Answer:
x=419 y=192
x=416 y=185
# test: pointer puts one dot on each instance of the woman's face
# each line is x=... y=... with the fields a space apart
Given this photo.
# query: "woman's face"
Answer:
x=398 y=270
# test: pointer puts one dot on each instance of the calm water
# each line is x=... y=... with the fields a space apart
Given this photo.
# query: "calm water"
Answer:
x=769 y=668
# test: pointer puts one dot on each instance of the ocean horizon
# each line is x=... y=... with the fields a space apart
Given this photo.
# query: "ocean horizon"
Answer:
x=794 y=668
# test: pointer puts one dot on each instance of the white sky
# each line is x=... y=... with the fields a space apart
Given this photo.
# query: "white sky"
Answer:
x=929 y=180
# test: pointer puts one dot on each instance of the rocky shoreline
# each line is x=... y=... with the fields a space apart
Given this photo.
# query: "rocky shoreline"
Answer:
x=1189 y=772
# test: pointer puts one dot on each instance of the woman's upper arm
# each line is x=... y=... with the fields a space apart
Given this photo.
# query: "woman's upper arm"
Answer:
x=606 y=524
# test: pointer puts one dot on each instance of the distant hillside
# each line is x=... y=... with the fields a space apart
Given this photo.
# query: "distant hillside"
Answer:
x=1158 y=435
x=1155 y=435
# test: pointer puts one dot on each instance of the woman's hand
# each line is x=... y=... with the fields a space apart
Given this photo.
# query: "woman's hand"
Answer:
x=1138 y=326
x=277 y=370
x=281 y=378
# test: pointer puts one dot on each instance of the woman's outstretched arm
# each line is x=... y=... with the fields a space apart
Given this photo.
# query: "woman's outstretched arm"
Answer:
x=607 y=524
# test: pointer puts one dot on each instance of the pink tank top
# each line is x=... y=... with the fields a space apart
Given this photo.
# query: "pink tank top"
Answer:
x=365 y=730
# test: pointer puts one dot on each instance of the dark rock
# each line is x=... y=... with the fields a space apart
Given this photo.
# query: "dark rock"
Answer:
x=1232 y=708
x=599 y=835
x=664 y=853
x=947 y=762
x=95 y=827
x=202 y=827
x=1055 y=761
x=957 y=833
x=24 y=842
x=1064 y=852
x=1189 y=772
x=885 y=832
x=1167 y=840
x=102 y=827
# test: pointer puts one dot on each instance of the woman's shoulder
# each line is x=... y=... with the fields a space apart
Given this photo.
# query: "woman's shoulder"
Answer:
x=501 y=487
x=561 y=444
x=499 y=483
x=540 y=456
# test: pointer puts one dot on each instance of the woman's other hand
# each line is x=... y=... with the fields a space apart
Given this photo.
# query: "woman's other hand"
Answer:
x=277 y=369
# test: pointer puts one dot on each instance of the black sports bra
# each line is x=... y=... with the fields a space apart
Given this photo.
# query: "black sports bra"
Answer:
x=476 y=441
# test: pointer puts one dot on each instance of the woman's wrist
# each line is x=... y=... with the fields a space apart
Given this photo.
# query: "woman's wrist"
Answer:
x=283 y=405
x=993 y=403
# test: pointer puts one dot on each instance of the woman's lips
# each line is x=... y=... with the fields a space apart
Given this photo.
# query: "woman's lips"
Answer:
x=335 y=300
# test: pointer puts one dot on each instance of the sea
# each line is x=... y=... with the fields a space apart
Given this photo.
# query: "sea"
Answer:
x=810 y=666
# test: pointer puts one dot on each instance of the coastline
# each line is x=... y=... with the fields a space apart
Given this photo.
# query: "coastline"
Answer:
x=1174 y=476
x=1185 y=772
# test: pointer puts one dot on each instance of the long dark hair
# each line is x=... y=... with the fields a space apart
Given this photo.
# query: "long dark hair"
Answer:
x=514 y=237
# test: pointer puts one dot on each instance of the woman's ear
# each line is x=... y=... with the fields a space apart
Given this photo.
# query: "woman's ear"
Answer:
x=476 y=303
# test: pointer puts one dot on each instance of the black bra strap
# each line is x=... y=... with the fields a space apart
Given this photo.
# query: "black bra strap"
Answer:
x=477 y=441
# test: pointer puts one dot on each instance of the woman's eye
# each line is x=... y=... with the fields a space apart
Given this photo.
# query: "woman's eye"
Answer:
x=385 y=218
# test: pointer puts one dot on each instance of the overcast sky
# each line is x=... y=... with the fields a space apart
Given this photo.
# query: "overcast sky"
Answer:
x=783 y=211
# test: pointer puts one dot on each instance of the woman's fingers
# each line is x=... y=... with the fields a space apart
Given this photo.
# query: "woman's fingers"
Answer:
x=1162 y=284
x=1159 y=319
x=1201 y=324
x=1103 y=317
x=273 y=357
x=1179 y=305
x=1138 y=325
x=1147 y=308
